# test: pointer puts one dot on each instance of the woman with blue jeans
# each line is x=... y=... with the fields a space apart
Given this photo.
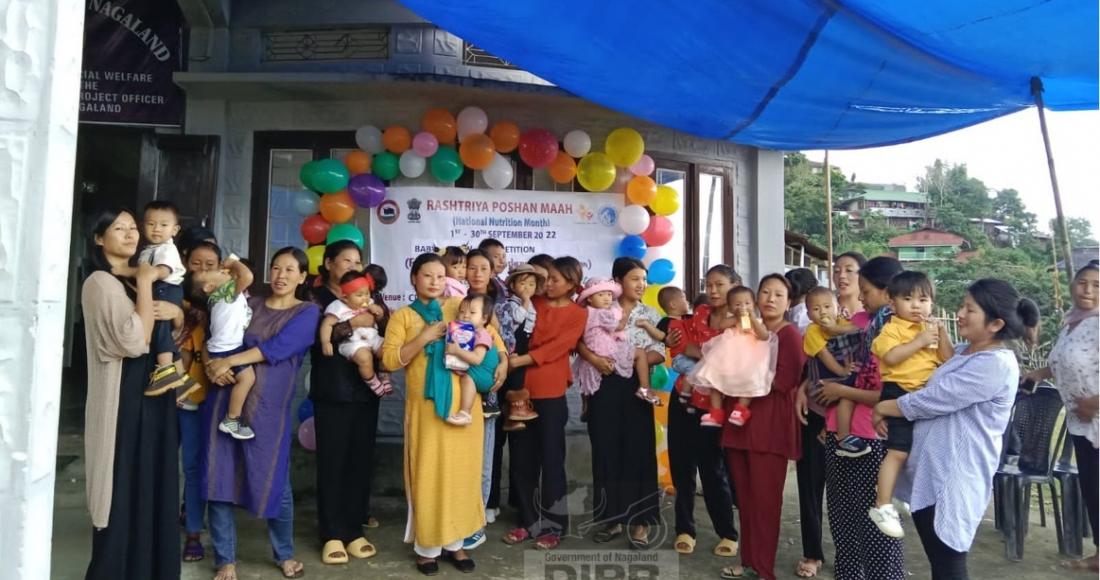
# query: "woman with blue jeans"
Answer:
x=256 y=474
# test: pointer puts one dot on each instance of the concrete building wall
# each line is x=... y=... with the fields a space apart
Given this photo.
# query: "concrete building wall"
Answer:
x=40 y=68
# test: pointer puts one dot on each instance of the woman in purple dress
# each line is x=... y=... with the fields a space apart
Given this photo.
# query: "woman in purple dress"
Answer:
x=256 y=474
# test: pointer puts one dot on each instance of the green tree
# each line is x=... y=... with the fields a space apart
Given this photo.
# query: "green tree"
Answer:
x=1009 y=208
x=804 y=196
x=1080 y=231
x=954 y=198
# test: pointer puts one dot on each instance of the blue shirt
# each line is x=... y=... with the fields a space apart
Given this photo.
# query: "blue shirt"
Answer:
x=960 y=417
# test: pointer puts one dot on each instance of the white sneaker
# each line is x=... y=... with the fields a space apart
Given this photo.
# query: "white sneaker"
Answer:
x=490 y=515
x=887 y=520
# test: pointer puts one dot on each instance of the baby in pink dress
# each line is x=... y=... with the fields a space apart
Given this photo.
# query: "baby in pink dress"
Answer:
x=454 y=261
x=605 y=336
x=740 y=362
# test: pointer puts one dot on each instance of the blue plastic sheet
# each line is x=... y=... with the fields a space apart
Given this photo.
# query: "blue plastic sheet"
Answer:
x=791 y=74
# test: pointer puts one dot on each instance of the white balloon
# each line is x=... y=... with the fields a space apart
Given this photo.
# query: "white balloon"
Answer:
x=369 y=138
x=654 y=253
x=633 y=220
x=499 y=174
x=471 y=120
x=577 y=143
x=411 y=164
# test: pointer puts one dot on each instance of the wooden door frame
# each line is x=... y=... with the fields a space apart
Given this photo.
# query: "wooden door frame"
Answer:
x=319 y=142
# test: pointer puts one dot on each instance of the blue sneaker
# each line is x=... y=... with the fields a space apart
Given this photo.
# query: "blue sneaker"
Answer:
x=852 y=446
x=474 y=541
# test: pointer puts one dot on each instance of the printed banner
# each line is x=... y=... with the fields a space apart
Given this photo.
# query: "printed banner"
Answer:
x=414 y=220
x=131 y=49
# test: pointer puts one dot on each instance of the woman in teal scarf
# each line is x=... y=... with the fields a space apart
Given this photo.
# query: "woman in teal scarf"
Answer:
x=442 y=466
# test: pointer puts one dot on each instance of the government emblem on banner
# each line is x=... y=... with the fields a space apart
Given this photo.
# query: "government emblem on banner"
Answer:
x=414 y=210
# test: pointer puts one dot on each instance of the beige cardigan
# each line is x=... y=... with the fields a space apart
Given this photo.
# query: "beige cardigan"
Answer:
x=113 y=331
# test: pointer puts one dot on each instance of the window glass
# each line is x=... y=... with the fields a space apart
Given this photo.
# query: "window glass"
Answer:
x=283 y=224
x=674 y=250
x=711 y=213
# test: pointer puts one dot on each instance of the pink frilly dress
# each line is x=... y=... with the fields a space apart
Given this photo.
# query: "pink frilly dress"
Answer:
x=603 y=337
x=453 y=288
x=737 y=364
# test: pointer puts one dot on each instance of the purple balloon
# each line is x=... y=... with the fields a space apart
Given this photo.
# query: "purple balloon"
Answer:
x=307 y=435
x=366 y=190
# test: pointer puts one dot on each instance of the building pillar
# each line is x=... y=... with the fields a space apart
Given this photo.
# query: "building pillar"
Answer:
x=767 y=216
x=40 y=65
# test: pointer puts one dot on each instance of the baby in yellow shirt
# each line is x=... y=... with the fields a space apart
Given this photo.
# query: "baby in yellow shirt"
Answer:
x=910 y=347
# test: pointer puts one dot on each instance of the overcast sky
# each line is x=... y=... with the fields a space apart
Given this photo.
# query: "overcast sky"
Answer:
x=1003 y=153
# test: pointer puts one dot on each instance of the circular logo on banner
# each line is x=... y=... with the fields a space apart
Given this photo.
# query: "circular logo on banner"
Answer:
x=608 y=215
x=388 y=212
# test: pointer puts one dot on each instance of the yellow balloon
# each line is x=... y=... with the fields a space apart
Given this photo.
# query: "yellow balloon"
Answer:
x=659 y=433
x=624 y=146
x=666 y=202
x=316 y=255
x=650 y=297
x=596 y=172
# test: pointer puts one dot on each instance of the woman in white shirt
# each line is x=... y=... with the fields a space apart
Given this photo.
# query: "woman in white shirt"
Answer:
x=1074 y=364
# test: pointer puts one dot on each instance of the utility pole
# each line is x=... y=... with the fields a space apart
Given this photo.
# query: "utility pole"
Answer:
x=829 y=215
x=1067 y=255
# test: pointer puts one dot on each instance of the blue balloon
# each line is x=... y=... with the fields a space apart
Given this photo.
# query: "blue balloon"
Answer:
x=661 y=272
x=305 y=410
x=632 y=247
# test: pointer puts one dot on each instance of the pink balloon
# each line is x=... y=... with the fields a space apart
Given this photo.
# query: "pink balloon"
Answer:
x=643 y=166
x=538 y=147
x=659 y=231
x=307 y=435
x=425 y=144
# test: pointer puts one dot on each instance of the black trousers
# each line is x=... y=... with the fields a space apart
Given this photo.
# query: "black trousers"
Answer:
x=514 y=382
x=346 y=434
x=693 y=448
x=624 y=456
x=1088 y=464
x=947 y=564
x=537 y=467
x=811 y=487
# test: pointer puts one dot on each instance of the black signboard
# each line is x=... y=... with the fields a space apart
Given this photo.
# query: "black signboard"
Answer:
x=131 y=49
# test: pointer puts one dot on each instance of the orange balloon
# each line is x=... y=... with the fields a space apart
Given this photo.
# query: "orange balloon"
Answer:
x=563 y=168
x=337 y=208
x=358 y=162
x=476 y=151
x=441 y=123
x=505 y=136
x=641 y=190
x=396 y=139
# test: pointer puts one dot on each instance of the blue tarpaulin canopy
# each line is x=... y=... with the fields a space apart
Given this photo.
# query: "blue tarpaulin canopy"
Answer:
x=796 y=74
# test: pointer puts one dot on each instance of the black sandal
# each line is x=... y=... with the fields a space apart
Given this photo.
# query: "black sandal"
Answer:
x=429 y=568
x=607 y=534
x=465 y=565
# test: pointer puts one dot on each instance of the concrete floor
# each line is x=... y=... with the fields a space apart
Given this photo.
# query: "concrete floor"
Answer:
x=72 y=544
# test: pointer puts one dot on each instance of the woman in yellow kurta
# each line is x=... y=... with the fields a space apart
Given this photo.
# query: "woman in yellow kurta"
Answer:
x=442 y=462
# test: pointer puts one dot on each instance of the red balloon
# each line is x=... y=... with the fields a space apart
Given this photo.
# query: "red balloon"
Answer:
x=659 y=231
x=315 y=229
x=538 y=148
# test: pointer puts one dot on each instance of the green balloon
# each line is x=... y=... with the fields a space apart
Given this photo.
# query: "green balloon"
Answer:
x=324 y=175
x=345 y=232
x=384 y=166
x=659 y=378
x=446 y=165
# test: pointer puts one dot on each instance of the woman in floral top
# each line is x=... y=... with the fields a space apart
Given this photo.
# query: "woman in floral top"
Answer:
x=1074 y=363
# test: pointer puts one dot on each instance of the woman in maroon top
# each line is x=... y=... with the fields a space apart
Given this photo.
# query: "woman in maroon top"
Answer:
x=693 y=448
x=757 y=453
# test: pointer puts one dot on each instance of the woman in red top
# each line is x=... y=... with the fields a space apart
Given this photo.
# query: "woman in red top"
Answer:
x=537 y=466
x=691 y=447
x=757 y=453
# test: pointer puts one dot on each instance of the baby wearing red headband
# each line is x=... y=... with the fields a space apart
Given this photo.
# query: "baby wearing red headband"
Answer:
x=364 y=342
